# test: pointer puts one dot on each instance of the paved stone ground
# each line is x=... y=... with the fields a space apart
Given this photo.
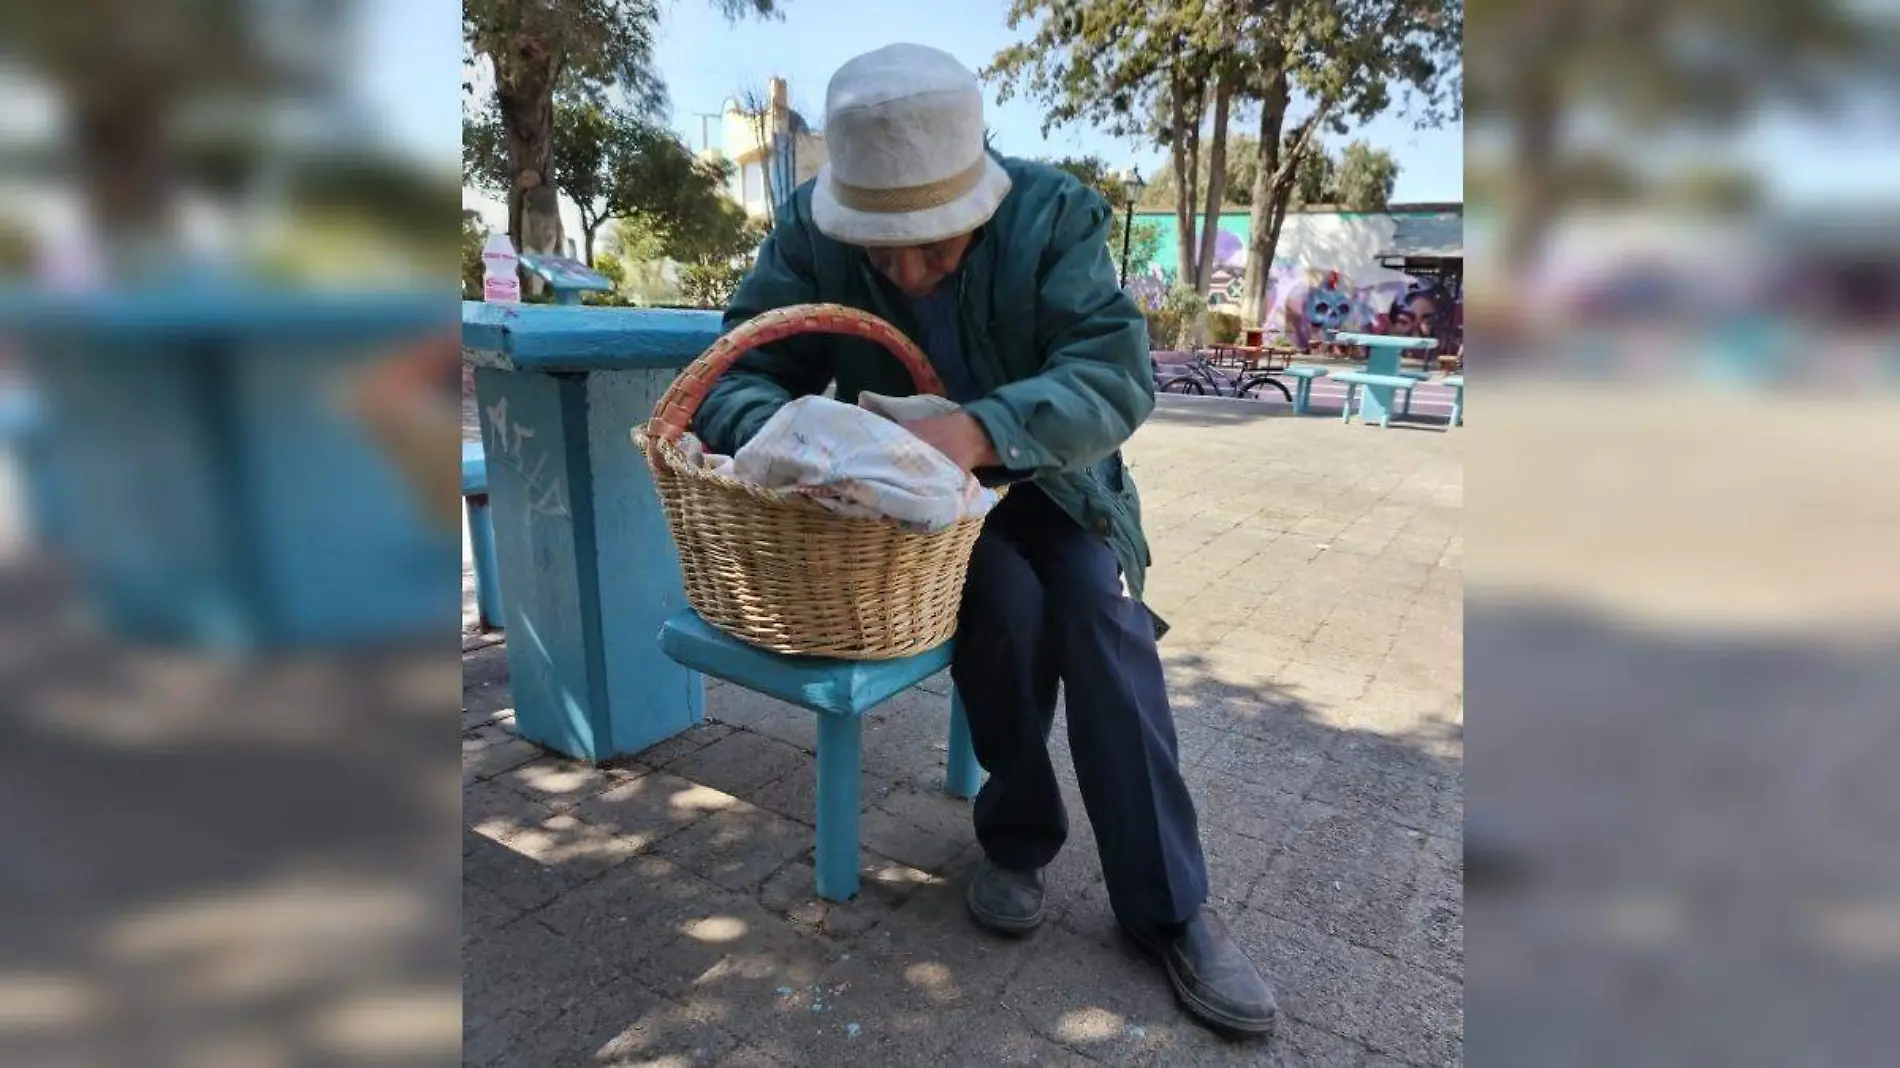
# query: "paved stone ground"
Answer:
x=660 y=911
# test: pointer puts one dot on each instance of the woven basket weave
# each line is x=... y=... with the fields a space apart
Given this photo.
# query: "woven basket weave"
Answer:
x=785 y=574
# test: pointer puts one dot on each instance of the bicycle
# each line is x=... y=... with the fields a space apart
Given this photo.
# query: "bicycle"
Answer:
x=1203 y=377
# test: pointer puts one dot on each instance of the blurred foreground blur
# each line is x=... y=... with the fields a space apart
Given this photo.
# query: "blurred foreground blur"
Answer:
x=1683 y=618
x=227 y=614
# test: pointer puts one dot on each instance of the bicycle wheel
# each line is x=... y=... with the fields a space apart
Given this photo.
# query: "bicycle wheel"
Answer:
x=1247 y=388
x=1185 y=385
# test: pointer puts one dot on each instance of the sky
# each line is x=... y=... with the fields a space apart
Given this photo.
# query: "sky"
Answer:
x=410 y=79
x=705 y=60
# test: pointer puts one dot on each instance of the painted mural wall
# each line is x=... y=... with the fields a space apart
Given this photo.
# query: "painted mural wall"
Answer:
x=1326 y=276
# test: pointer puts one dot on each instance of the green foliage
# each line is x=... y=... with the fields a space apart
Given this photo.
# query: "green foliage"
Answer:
x=1173 y=325
x=613 y=164
x=1364 y=178
x=710 y=285
x=1144 y=241
x=1243 y=160
x=612 y=268
x=1223 y=328
x=576 y=50
x=474 y=232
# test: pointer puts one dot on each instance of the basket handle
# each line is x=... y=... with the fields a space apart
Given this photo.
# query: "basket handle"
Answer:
x=673 y=415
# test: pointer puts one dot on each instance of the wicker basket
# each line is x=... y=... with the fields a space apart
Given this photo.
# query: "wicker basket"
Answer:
x=785 y=574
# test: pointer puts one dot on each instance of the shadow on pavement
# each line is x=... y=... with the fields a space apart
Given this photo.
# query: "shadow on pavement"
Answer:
x=204 y=856
x=664 y=907
x=1709 y=828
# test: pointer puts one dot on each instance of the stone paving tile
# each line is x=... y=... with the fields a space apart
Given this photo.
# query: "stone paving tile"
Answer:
x=579 y=850
x=739 y=763
x=634 y=910
x=896 y=837
x=1354 y=841
x=1397 y=794
x=525 y=975
x=1363 y=908
x=625 y=1024
x=494 y=811
x=561 y=783
x=519 y=880
x=490 y=751
x=883 y=887
x=1104 y=1002
x=683 y=744
x=737 y=846
x=484 y=910
x=1007 y=1039
x=736 y=706
x=652 y=806
x=1292 y=1045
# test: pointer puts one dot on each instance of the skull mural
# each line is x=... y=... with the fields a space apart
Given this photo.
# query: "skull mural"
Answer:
x=1313 y=311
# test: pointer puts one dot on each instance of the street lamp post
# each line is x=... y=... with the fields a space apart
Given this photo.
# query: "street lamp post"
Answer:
x=1132 y=187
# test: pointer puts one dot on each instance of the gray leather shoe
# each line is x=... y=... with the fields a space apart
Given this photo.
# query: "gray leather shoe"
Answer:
x=1212 y=976
x=1006 y=901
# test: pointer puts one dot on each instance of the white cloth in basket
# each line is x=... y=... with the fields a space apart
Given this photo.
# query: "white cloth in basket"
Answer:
x=856 y=461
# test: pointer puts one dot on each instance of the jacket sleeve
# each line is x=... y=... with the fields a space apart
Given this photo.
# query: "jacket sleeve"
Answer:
x=1096 y=385
x=766 y=378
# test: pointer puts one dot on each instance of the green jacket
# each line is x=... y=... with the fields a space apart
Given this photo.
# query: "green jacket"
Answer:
x=1059 y=350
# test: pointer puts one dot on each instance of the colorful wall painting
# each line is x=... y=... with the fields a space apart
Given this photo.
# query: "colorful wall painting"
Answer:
x=1326 y=277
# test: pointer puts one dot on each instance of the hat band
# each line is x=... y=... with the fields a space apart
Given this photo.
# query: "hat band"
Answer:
x=908 y=198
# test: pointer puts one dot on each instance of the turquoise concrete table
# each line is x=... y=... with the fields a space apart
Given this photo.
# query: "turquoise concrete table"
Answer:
x=216 y=489
x=587 y=569
x=1375 y=402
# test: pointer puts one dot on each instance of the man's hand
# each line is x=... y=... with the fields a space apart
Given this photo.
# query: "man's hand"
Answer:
x=957 y=436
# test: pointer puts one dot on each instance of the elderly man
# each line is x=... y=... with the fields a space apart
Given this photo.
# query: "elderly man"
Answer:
x=999 y=270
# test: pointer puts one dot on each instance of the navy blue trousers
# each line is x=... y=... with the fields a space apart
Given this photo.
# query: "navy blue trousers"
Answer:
x=1044 y=603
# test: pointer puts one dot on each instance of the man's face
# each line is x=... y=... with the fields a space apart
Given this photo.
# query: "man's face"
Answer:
x=919 y=269
x=1418 y=317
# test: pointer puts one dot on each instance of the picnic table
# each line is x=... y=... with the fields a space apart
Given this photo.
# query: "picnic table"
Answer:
x=1384 y=353
x=214 y=488
x=586 y=566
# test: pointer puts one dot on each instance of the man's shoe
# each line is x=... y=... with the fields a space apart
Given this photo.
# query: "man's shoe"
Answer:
x=1212 y=975
x=1006 y=901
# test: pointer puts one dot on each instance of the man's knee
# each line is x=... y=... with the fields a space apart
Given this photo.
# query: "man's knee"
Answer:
x=1003 y=600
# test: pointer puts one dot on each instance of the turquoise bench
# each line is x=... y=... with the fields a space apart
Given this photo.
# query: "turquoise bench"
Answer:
x=1457 y=385
x=24 y=429
x=481 y=535
x=840 y=692
x=1303 y=392
x=1354 y=380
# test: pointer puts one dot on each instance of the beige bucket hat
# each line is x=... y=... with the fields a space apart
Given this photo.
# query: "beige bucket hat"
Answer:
x=904 y=129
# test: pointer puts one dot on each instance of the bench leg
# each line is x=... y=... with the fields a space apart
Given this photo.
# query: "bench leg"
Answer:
x=1345 y=414
x=962 y=776
x=1301 y=393
x=1407 y=410
x=838 y=765
x=1458 y=408
x=481 y=542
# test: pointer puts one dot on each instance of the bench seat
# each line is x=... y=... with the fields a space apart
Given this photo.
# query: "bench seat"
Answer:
x=1354 y=380
x=840 y=692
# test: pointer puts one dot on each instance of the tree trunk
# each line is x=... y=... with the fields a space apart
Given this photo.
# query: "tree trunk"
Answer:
x=1264 y=241
x=1527 y=207
x=526 y=103
x=1216 y=185
x=121 y=135
x=1182 y=153
x=1261 y=239
x=588 y=230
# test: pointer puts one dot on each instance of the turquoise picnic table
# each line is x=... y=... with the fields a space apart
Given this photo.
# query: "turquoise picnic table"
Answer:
x=1385 y=352
x=586 y=566
x=210 y=485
